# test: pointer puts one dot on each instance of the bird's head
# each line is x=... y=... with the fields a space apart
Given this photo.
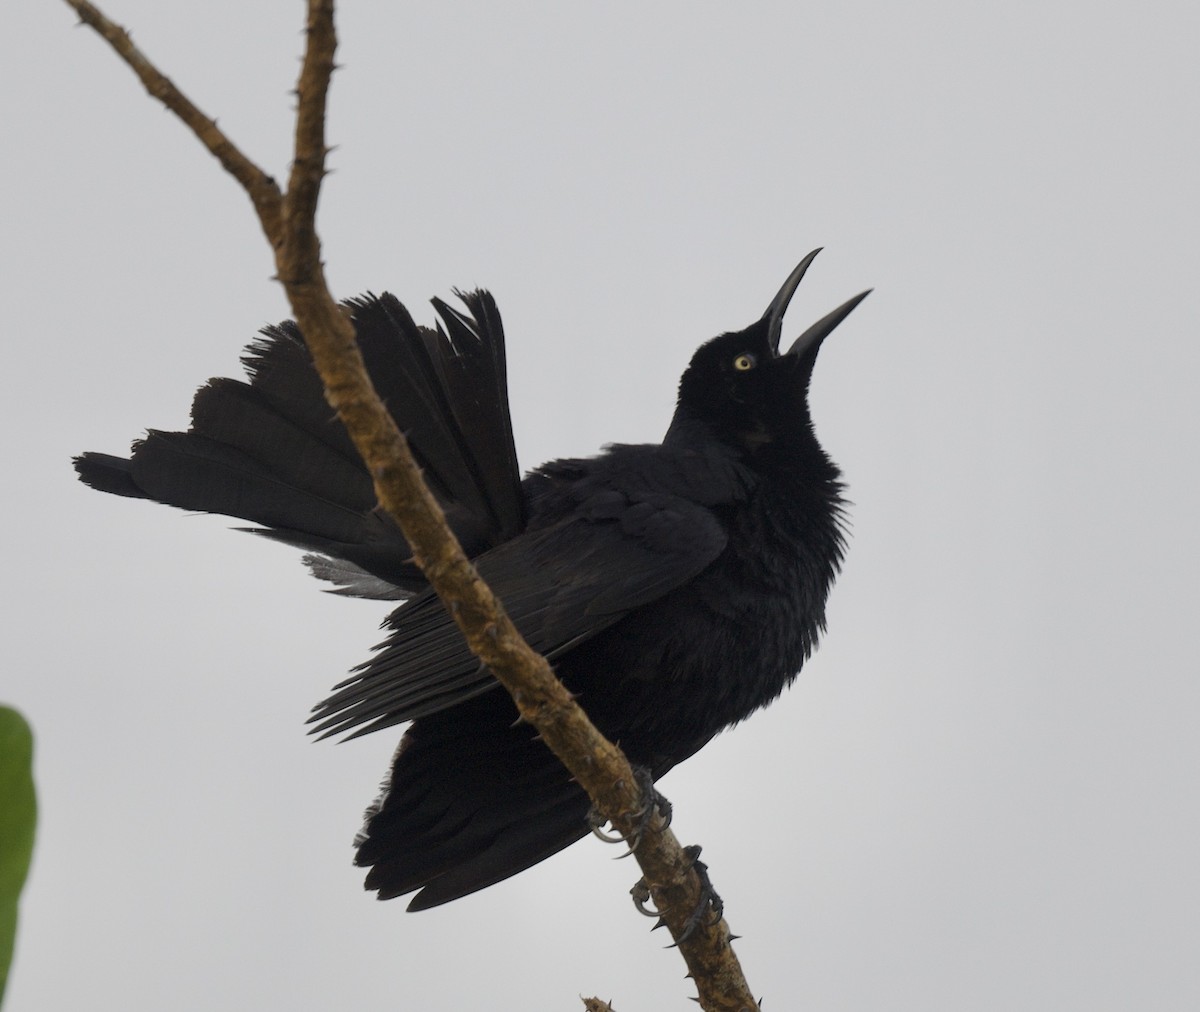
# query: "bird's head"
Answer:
x=741 y=389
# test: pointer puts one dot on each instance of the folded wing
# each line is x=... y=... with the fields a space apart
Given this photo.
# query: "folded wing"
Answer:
x=560 y=584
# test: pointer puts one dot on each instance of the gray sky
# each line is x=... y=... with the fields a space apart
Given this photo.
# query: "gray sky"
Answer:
x=983 y=792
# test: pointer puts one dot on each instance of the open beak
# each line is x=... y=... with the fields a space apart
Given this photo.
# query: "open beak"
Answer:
x=820 y=330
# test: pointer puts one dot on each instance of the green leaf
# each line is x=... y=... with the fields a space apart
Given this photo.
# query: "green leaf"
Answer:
x=18 y=816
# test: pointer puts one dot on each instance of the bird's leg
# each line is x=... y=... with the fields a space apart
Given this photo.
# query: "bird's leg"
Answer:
x=709 y=898
x=654 y=801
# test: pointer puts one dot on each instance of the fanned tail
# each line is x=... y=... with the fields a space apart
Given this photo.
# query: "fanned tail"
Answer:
x=271 y=451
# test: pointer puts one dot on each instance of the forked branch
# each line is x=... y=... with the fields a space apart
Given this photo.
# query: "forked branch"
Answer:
x=288 y=221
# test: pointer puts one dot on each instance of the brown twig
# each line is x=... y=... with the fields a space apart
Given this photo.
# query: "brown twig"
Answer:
x=259 y=186
x=288 y=220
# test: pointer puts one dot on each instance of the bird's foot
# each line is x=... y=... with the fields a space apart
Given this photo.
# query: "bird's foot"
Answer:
x=710 y=899
x=653 y=801
x=710 y=905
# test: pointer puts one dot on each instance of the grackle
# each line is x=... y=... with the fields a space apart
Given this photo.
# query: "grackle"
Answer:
x=676 y=587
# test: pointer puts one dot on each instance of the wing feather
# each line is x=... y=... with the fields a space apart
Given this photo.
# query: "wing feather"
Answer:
x=560 y=584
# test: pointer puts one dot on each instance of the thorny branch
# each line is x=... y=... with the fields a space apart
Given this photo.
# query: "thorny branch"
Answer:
x=288 y=221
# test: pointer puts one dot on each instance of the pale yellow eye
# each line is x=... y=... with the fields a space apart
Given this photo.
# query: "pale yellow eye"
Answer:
x=745 y=362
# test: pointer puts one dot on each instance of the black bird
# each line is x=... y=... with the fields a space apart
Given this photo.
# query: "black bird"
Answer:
x=676 y=587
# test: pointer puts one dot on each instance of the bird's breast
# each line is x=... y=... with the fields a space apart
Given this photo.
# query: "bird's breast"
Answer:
x=673 y=673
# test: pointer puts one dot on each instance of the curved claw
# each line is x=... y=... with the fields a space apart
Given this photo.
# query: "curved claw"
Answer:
x=596 y=823
x=641 y=896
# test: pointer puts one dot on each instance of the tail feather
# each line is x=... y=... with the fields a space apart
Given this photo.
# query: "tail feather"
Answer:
x=471 y=800
x=512 y=850
x=106 y=473
x=194 y=472
x=448 y=393
x=272 y=451
x=235 y=414
x=476 y=379
x=278 y=365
